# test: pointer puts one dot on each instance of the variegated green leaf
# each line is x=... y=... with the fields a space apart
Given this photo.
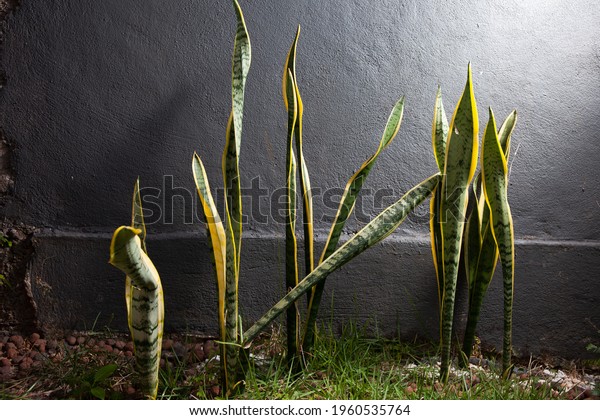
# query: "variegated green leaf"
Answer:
x=218 y=246
x=480 y=250
x=307 y=215
x=439 y=130
x=291 y=245
x=460 y=164
x=147 y=309
x=495 y=186
x=439 y=136
x=346 y=206
x=137 y=222
x=376 y=230
x=233 y=201
x=215 y=233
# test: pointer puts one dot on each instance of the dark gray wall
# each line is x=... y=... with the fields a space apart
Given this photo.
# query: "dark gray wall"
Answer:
x=98 y=93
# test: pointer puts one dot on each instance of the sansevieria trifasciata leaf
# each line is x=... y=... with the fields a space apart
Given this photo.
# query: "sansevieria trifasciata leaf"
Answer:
x=345 y=208
x=225 y=237
x=146 y=313
x=459 y=167
x=495 y=187
x=376 y=230
x=480 y=252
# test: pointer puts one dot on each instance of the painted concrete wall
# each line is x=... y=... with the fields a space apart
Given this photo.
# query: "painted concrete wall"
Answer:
x=98 y=93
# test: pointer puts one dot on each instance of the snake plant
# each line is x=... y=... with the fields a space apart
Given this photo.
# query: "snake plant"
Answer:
x=302 y=343
x=455 y=148
x=494 y=172
x=225 y=239
x=480 y=252
x=143 y=295
x=376 y=230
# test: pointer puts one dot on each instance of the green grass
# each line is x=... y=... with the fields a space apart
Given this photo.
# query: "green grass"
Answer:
x=350 y=365
x=354 y=366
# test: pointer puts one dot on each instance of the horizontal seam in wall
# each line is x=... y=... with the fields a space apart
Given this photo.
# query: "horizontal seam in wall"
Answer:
x=395 y=238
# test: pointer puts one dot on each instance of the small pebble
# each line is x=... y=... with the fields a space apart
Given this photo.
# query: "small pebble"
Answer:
x=6 y=373
x=71 y=341
x=4 y=362
x=215 y=389
x=129 y=346
x=130 y=390
x=108 y=348
x=211 y=349
x=17 y=359
x=120 y=345
x=40 y=344
x=10 y=346
x=111 y=342
x=12 y=353
x=91 y=342
x=26 y=363
x=34 y=337
x=128 y=353
x=198 y=352
x=17 y=340
x=167 y=344
x=409 y=390
x=81 y=340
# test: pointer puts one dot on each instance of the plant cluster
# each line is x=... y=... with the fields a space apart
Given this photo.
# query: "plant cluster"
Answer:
x=481 y=235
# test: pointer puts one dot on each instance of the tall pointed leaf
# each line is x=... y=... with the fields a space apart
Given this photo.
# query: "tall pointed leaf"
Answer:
x=439 y=136
x=480 y=250
x=215 y=233
x=460 y=164
x=495 y=187
x=137 y=222
x=346 y=206
x=147 y=309
x=233 y=199
x=376 y=230
x=291 y=245
x=307 y=215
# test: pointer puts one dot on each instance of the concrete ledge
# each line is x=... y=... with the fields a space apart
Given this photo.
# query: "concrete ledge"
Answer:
x=391 y=287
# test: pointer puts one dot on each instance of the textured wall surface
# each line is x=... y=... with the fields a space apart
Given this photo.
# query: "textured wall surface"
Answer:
x=98 y=93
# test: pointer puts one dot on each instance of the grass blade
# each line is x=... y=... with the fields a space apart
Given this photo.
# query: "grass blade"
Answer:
x=347 y=201
x=495 y=186
x=376 y=230
x=460 y=164
x=147 y=308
